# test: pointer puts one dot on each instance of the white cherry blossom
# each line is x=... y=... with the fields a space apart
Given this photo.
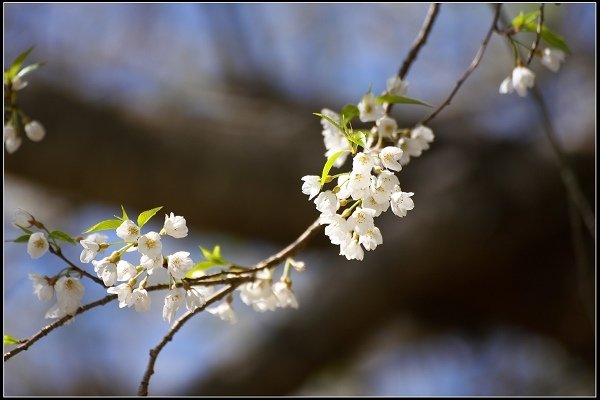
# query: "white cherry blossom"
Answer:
x=172 y=302
x=371 y=238
x=128 y=231
x=35 y=131
x=522 y=78
x=401 y=202
x=123 y=292
x=37 y=245
x=386 y=127
x=396 y=86
x=224 y=311
x=390 y=156
x=12 y=141
x=327 y=202
x=42 y=287
x=69 y=292
x=311 y=185
x=552 y=58
x=370 y=109
x=150 y=244
x=284 y=294
x=179 y=264
x=175 y=226
x=140 y=300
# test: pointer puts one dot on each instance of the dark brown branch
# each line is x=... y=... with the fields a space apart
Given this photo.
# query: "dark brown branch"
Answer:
x=472 y=67
x=154 y=352
x=538 y=35
x=419 y=42
x=60 y=322
x=421 y=39
x=58 y=252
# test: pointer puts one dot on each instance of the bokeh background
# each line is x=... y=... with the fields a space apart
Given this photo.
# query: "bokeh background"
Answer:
x=486 y=288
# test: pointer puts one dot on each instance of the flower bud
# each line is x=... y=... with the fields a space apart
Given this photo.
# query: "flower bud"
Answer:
x=35 y=131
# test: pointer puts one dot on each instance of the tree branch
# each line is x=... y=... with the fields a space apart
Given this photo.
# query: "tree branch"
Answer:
x=58 y=252
x=472 y=67
x=154 y=352
x=419 y=42
x=271 y=261
x=60 y=322
x=538 y=35
x=566 y=172
x=421 y=39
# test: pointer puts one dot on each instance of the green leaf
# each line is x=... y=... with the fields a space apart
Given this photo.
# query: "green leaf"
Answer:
x=358 y=138
x=24 y=229
x=522 y=19
x=28 y=69
x=8 y=340
x=104 y=225
x=125 y=217
x=349 y=112
x=207 y=254
x=329 y=164
x=332 y=122
x=199 y=267
x=388 y=98
x=22 y=239
x=146 y=215
x=16 y=65
x=553 y=39
x=214 y=256
x=62 y=236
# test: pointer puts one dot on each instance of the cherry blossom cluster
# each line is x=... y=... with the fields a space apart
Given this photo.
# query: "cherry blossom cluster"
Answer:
x=522 y=78
x=359 y=196
x=128 y=281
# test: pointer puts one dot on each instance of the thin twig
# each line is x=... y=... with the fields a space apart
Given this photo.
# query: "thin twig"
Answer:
x=584 y=288
x=154 y=352
x=472 y=67
x=58 y=252
x=273 y=260
x=49 y=328
x=566 y=172
x=290 y=249
x=538 y=35
x=419 y=42
x=421 y=39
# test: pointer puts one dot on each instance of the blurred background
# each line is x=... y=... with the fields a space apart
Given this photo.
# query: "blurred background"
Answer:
x=485 y=288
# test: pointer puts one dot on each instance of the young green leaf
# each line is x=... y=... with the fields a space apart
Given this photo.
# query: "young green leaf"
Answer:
x=8 y=340
x=553 y=39
x=358 y=138
x=104 y=225
x=388 y=98
x=22 y=239
x=24 y=229
x=329 y=164
x=332 y=122
x=199 y=267
x=18 y=63
x=146 y=215
x=125 y=216
x=62 y=236
x=214 y=256
x=349 y=112
x=522 y=19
